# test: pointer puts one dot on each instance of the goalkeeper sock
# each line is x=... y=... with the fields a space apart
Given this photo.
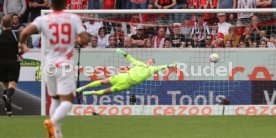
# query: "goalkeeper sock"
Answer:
x=54 y=104
x=60 y=113
x=10 y=92
x=94 y=84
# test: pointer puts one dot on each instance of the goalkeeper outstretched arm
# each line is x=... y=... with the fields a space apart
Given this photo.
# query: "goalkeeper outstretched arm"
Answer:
x=134 y=61
x=162 y=67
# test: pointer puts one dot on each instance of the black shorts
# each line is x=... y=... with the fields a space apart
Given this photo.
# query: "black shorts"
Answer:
x=9 y=71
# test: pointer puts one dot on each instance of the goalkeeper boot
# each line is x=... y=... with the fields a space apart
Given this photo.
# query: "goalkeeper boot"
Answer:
x=80 y=89
x=49 y=126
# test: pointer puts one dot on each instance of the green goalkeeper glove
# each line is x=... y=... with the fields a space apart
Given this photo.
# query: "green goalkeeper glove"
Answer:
x=174 y=65
x=121 y=52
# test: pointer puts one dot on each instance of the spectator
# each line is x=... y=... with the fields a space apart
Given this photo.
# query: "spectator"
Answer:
x=195 y=41
x=254 y=44
x=165 y=4
x=263 y=44
x=263 y=35
x=148 y=43
x=193 y=4
x=168 y=43
x=92 y=26
x=36 y=6
x=232 y=37
x=248 y=36
x=227 y=4
x=139 y=4
x=77 y=4
x=177 y=39
x=264 y=3
x=208 y=42
x=223 y=26
x=159 y=40
x=150 y=18
x=200 y=28
x=139 y=38
x=16 y=25
x=240 y=28
x=102 y=38
x=14 y=7
x=94 y=41
x=186 y=28
x=272 y=41
x=119 y=34
x=122 y=4
x=112 y=41
x=25 y=17
x=228 y=44
x=246 y=4
x=268 y=25
x=190 y=44
x=242 y=44
x=108 y=4
x=134 y=21
x=210 y=18
x=94 y=4
x=128 y=42
x=180 y=4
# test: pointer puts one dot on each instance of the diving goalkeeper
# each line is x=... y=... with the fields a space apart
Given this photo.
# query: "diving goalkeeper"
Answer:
x=123 y=81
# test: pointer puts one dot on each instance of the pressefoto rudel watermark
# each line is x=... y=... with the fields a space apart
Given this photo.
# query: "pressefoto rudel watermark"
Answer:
x=209 y=70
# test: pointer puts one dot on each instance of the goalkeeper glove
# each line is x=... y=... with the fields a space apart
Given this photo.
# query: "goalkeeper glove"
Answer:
x=121 y=52
x=174 y=65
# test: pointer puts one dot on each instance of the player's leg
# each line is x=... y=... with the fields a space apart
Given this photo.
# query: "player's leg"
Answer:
x=61 y=112
x=98 y=92
x=66 y=87
x=118 y=82
x=93 y=84
x=51 y=83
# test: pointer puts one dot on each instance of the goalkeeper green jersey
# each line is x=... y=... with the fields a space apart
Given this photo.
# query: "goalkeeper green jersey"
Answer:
x=141 y=72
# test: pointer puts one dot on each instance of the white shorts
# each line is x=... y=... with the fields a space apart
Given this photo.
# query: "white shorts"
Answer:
x=60 y=82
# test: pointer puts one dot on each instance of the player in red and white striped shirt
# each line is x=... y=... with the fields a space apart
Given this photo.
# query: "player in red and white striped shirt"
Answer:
x=58 y=35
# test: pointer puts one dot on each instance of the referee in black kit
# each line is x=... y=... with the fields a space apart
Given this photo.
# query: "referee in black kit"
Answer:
x=9 y=62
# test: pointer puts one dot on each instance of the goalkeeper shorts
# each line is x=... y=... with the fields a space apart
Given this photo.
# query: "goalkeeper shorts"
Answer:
x=120 y=82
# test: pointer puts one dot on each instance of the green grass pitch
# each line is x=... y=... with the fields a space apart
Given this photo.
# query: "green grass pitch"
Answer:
x=144 y=127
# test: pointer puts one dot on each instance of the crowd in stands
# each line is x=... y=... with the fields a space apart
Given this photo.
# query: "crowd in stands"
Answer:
x=160 y=30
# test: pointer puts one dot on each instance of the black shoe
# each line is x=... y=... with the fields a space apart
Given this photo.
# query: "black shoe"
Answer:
x=7 y=102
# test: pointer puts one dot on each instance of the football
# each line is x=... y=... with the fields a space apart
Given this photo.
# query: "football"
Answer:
x=214 y=58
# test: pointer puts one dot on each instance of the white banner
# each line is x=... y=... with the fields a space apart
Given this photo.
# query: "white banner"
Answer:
x=198 y=110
